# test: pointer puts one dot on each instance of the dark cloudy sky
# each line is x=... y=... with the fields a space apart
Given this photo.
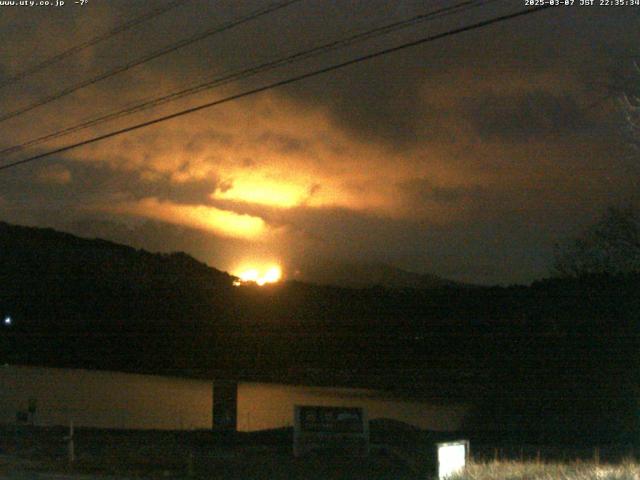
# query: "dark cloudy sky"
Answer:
x=467 y=157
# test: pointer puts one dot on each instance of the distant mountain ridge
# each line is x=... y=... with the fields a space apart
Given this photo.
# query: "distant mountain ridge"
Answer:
x=53 y=278
x=42 y=249
x=56 y=249
x=366 y=275
x=100 y=305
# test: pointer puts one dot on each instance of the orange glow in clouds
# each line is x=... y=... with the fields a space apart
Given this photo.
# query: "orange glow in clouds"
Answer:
x=264 y=192
x=260 y=277
x=203 y=217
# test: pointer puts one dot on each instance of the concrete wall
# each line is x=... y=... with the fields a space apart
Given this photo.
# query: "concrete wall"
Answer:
x=262 y=406
x=105 y=399
x=120 y=400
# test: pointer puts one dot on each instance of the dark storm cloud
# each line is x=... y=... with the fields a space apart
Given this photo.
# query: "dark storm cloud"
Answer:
x=543 y=81
x=383 y=100
x=77 y=184
x=467 y=157
x=529 y=115
x=380 y=108
x=158 y=186
x=423 y=189
x=285 y=144
x=376 y=101
x=200 y=142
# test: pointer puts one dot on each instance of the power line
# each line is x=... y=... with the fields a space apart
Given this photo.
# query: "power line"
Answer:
x=147 y=58
x=93 y=41
x=134 y=107
x=454 y=9
x=251 y=71
x=281 y=83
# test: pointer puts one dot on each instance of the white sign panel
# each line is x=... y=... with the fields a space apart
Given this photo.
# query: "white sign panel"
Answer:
x=452 y=458
x=321 y=427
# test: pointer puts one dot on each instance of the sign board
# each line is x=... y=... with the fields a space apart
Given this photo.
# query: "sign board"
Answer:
x=316 y=427
x=452 y=457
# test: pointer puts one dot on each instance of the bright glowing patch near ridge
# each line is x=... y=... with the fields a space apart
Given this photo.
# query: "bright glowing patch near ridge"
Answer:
x=253 y=275
x=264 y=192
x=272 y=275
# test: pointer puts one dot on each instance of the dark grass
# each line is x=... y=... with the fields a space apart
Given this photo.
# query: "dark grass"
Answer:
x=196 y=454
x=400 y=454
x=570 y=470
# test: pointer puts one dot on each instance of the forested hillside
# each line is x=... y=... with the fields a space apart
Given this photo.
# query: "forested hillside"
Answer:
x=564 y=350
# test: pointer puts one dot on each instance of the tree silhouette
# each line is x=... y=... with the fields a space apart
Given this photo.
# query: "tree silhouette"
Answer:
x=624 y=84
x=610 y=246
x=631 y=106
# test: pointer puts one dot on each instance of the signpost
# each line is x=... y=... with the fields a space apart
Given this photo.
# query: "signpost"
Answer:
x=317 y=427
x=33 y=405
x=70 y=444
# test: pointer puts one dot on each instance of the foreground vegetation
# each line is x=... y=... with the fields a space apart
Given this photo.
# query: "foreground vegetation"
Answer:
x=505 y=470
x=195 y=455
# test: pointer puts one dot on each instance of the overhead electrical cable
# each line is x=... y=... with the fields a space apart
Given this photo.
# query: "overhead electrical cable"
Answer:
x=251 y=71
x=93 y=41
x=280 y=83
x=148 y=57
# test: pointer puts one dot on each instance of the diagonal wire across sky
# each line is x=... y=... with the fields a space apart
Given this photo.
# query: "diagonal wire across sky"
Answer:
x=280 y=83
